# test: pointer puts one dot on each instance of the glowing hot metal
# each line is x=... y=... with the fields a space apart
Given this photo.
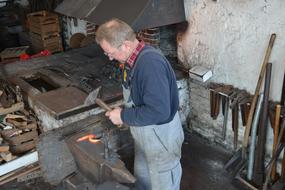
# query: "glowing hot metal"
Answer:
x=91 y=138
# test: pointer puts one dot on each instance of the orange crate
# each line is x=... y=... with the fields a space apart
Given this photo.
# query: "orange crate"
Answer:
x=43 y=22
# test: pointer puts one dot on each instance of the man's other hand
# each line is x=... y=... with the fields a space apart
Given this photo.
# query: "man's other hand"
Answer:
x=115 y=116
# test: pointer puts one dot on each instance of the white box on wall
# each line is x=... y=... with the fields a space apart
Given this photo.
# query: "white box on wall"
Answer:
x=200 y=73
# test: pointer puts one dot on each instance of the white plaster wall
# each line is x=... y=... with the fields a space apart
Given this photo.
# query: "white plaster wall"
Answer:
x=231 y=37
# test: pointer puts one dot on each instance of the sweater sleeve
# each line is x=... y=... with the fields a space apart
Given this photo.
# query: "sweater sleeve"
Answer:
x=153 y=85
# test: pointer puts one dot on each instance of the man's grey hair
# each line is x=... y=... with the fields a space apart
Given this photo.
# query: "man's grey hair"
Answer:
x=115 y=32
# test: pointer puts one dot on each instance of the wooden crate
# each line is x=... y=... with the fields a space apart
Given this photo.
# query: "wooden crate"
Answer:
x=13 y=53
x=51 y=42
x=21 y=143
x=43 y=22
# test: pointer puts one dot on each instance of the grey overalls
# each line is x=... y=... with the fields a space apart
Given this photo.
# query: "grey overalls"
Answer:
x=157 y=151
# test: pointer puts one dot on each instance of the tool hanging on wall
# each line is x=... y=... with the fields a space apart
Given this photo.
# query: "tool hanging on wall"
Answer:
x=225 y=92
x=231 y=98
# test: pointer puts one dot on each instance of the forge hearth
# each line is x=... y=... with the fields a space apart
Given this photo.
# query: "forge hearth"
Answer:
x=41 y=83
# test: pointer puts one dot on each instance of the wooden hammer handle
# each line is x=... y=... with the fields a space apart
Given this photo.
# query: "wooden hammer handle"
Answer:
x=103 y=105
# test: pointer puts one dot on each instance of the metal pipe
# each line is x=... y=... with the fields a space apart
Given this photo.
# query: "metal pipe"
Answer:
x=253 y=138
x=258 y=176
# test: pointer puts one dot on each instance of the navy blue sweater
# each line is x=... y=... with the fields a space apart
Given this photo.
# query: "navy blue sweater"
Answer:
x=153 y=91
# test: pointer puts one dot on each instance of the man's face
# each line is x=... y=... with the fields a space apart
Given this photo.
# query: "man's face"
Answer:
x=114 y=53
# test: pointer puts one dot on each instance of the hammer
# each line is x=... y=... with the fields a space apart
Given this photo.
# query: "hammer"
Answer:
x=93 y=98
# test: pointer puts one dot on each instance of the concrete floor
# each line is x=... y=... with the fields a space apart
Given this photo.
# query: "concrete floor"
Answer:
x=202 y=165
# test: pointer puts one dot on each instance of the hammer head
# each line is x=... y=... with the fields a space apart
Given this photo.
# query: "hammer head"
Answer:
x=90 y=99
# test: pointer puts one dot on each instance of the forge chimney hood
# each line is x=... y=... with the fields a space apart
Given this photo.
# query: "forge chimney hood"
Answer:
x=140 y=14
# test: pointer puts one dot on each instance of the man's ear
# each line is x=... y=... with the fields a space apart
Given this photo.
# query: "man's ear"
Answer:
x=127 y=44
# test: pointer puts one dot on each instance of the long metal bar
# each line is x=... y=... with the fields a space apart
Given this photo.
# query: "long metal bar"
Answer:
x=254 y=100
x=253 y=138
x=258 y=176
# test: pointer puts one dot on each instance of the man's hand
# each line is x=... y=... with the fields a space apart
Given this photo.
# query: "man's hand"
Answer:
x=115 y=116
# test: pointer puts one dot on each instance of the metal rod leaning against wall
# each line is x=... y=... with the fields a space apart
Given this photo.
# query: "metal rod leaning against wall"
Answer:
x=259 y=169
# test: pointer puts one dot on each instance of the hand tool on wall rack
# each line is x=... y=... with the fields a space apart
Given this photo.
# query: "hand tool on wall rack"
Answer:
x=244 y=104
x=214 y=100
x=259 y=170
x=254 y=100
x=235 y=123
x=225 y=92
x=245 y=107
x=234 y=98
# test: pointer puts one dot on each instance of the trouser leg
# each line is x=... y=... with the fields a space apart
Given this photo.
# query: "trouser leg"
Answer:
x=159 y=153
x=141 y=171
